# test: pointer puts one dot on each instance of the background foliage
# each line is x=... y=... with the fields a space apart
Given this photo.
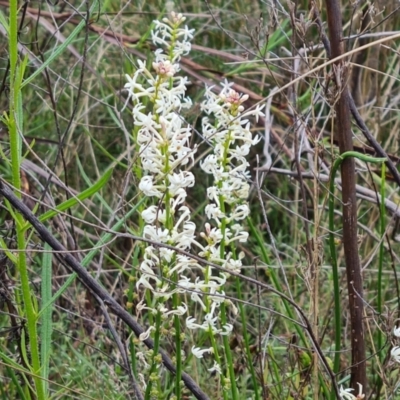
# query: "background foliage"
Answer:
x=74 y=134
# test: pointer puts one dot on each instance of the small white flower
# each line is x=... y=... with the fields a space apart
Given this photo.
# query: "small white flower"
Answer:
x=395 y=353
x=166 y=254
x=151 y=214
x=156 y=234
x=145 y=281
x=212 y=194
x=214 y=212
x=240 y=212
x=196 y=297
x=164 y=68
x=240 y=151
x=145 y=335
x=241 y=237
x=183 y=240
x=396 y=331
x=216 y=368
x=143 y=119
x=163 y=291
x=191 y=323
x=209 y=164
x=179 y=180
x=210 y=322
x=216 y=235
x=180 y=310
x=147 y=186
x=198 y=352
x=233 y=265
x=258 y=113
x=226 y=330
x=180 y=197
x=182 y=264
x=346 y=394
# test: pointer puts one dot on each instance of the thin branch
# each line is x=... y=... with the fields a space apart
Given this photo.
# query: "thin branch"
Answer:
x=350 y=237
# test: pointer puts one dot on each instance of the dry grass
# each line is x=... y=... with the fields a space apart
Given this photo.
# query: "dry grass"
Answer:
x=74 y=130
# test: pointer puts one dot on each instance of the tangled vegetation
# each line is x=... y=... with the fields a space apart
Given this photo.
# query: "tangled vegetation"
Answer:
x=199 y=200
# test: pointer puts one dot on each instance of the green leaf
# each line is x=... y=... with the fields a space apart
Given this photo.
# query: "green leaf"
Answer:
x=46 y=316
x=75 y=200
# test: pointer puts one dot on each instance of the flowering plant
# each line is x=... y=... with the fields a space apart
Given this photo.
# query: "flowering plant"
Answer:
x=166 y=275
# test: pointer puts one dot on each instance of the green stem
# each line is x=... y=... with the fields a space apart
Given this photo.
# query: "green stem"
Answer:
x=335 y=272
x=381 y=250
x=246 y=341
x=382 y=216
x=210 y=332
x=178 y=344
x=15 y=148
x=228 y=355
x=277 y=389
x=154 y=361
x=14 y=92
x=381 y=255
x=227 y=348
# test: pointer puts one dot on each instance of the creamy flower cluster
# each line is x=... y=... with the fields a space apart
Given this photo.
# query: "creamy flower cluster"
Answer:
x=231 y=138
x=164 y=149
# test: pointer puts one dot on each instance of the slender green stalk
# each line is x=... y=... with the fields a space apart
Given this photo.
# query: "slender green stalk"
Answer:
x=46 y=318
x=154 y=359
x=246 y=340
x=178 y=344
x=381 y=256
x=228 y=355
x=31 y=312
x=227 y=348
x=278 y=390
x=15 y=149
x=382 y=218
x=223 y=227
x=210 y=332
x=335 y=271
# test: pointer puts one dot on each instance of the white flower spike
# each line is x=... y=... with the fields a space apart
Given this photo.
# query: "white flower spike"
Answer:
x=163 y=140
